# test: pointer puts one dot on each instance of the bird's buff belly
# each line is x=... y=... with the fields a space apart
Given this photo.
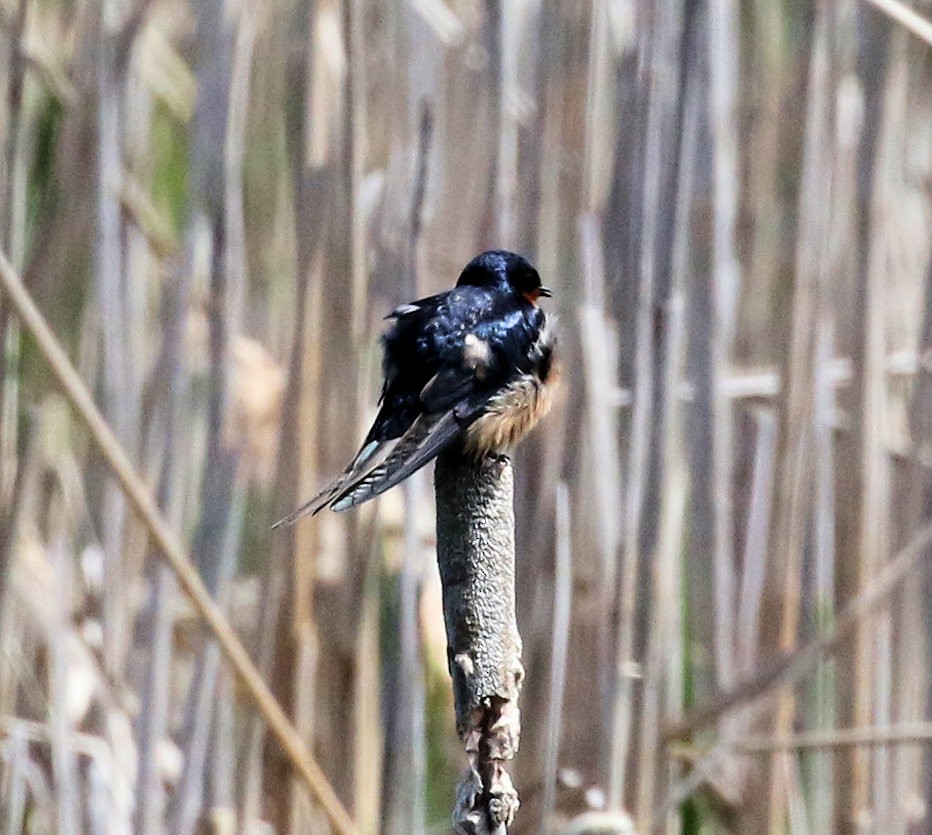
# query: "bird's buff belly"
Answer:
x=509 y=416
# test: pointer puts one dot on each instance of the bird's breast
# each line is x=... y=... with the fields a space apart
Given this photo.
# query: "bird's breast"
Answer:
x=509 y=415
x=518 y=406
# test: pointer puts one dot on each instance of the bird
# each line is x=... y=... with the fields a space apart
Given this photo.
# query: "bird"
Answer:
x=473 y=366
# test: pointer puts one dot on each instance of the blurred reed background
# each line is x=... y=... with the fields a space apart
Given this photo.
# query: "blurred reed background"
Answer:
x=721 y=530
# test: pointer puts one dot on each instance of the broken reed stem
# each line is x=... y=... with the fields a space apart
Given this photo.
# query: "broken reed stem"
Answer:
x=905 y=16
x=476 y=557
x=790 y=668
x=908 y=733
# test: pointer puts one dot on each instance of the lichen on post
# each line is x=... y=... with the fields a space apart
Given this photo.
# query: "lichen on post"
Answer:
x=476 y=556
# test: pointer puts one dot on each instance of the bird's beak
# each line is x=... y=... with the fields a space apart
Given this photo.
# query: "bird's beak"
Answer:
x=546 y=292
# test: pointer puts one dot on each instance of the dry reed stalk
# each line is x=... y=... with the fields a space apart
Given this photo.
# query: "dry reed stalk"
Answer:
x=662 y=132
x=673 y=485
x=921 y=482
x=754 y=554
x=406 y=748
x=290 y=599
x=531 y=134
x=511 y=35
x=367 y=738
x=820 y=703
x=770 y=65
x=600 y=104
x=325 y=715
x=835 y=474
x=279 y=633
x=676 y=673
x=905 y=328
x=700 y=564
x=234 y=215
x=562 y=601
x=548 y=220
x=13 y=614
x=879 y=522
x=110 y=287
x=368 y=735
x=161 y=439
x=13 y=79
x=872 y=532
x=599 y=362
x=153 y=717
x=12 y=226
x=823 y=695
x=354 y=161
x=221 y=762
x=795 y=481
x=492 y=217
x=64 y=763
x=200 y=721
x=598 y=529
x=662 y=641
x=622 y=702
x=18 y=134
x=140 y=268
x=726 y=288
x=216 y=540
x=598 y=335
x=16 y=757
x=333 y=579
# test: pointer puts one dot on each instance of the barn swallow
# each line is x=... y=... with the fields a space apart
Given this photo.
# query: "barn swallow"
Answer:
x=472 y=366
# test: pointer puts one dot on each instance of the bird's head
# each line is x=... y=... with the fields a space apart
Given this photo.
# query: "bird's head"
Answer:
x=508 y=270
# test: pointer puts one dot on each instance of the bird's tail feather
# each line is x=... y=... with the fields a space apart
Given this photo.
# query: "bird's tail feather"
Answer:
x=381 y=465
x=370 y=456
x=377 y=469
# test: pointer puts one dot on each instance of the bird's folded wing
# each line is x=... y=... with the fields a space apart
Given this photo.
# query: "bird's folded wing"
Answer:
x=428 y=435
x=446 y=388
x=381 y=465
x=421 y=443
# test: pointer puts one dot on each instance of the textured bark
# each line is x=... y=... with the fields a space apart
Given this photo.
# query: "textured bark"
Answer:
x=476 y=555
